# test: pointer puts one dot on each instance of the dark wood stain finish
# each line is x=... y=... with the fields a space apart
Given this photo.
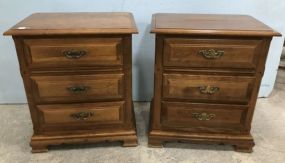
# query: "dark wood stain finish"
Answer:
x=208 y=70
x=76 y=69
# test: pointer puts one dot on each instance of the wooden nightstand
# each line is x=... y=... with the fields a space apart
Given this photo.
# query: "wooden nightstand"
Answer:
x=208 y=70
x=77 y=71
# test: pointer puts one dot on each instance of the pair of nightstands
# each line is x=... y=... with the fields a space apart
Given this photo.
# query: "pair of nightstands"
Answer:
x=77 y=75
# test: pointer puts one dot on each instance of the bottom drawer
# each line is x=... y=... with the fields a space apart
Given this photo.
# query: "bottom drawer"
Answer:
x=81 y=116
x=203 y=117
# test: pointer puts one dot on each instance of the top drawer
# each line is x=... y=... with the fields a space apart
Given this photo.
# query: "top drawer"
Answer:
x=217 y=53
x=70 y=52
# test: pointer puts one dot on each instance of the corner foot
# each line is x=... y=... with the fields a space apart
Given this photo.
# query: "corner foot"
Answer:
x=130 y=142
x=154 y=143
x=39 y=149
x=244 y=148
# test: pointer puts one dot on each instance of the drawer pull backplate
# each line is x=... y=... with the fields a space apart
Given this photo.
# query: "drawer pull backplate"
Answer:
x=82 y=115
x=211 y=54
x=74 y=54
x=203 y=116
x=77 y=89
x=208 y=90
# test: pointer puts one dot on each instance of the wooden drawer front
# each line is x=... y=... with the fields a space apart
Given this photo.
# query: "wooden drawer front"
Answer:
x=81 y=114
x=201 y=116
x=74 y=52
x=211 y=53
x=207 y=88
x=78 y=87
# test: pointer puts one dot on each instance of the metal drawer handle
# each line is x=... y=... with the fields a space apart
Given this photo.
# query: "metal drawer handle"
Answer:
x=74 y=54
x=203 y=116
x=208 y=90
x=211 y=54
x=77 y=89
x=82 y=115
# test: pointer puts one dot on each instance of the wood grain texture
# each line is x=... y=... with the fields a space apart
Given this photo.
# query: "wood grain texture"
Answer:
x=61 y=117
x=75 y=96
x=75 y=23
x=237 y=89
x=61 y=88
x=206 y=24
x=235 y=53
x=71 y=52
x=229 y=71
x=182 y=116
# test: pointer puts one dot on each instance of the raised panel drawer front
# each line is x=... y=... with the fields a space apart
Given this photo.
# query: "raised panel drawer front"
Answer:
x=70 y=52
x=77 y=71
x=218 y=53
x=212 y=118
x=208 y=88
x=83 y=114
x=78 y=87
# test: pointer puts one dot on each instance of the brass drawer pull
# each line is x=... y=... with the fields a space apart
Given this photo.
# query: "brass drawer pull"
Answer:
x=82 y=115
x=74 y=54
x=77 y=89
x=203 y=116
x=211 y=54
x=208 y=90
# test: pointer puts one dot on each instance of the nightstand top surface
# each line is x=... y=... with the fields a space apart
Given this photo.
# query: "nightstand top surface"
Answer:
x=207 y=24
x=75 y=23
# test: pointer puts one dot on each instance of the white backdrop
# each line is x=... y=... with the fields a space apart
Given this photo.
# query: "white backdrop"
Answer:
x=11 y=11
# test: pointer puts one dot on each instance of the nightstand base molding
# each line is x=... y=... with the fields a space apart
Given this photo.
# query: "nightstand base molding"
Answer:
x=242 y=143
x=40 y=143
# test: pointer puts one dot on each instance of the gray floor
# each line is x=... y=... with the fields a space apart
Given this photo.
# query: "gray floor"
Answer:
x=268 y=130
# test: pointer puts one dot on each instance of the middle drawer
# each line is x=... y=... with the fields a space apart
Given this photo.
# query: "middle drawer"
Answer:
x=208 y=88
x=68 y=88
